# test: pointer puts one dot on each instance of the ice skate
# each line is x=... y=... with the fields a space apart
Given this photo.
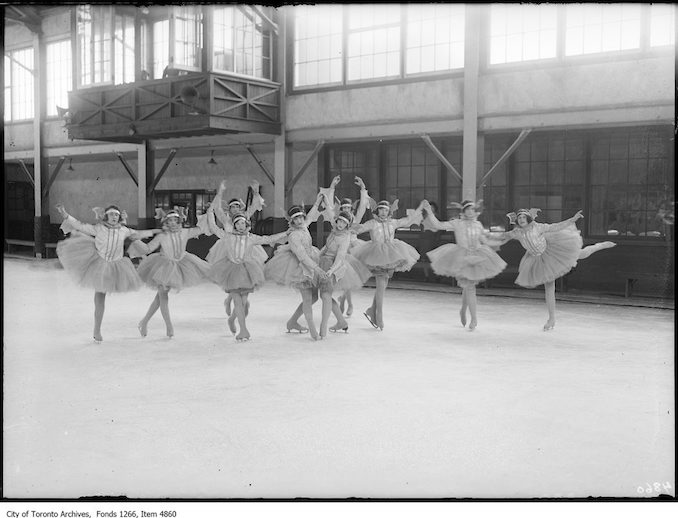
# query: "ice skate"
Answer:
x=368 y=316
x=296 y=328
x=143 y=330
x=550 y=324
x=462 y=316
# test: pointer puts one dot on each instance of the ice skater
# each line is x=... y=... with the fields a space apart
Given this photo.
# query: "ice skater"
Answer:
x=96 y=258
x=225 y=219
x=172 y=269
x=239 y=271
x=470 y=260
x=296 y=265
x=551 y=251
x=383 y=254
x=344 y=272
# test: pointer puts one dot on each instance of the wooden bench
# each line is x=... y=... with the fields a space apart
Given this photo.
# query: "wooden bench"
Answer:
x=19 y=242
x=631 y=278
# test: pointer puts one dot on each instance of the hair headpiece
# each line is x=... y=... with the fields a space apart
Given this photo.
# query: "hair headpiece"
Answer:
x=102 y=214
x=241 y=216
x=344 y=216
x=294 y=211
x=236 y=201
x=513 y=216
x=179 y=212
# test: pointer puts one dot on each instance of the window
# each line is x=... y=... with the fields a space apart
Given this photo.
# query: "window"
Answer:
x=187 y=37
x=412 y=174
x=19 y=84
x=94 y=24
x=549 y=175
x=373 y=41
x=592 y=28
x=242 y=43
x=124 y=49
x=631 y=180
x=495 y=194
x=435 y=37
x=662 y=24
x=317 y=45
x=161 y=47
x=195 y=202
x=349 y=162
x=521 y=32
x=59 y=75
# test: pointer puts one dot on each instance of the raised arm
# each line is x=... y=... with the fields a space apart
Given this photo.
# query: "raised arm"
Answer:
x=216 y=206
x=413 y=218
x=313 y=214
x=212 y=223
x=364 y=200
x=555 y=227
x=433 y=221
x=70 y=223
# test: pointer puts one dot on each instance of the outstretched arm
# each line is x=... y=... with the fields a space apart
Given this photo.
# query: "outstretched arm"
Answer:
x=212 y=223
x=433 y=221
x=413 y=218
x=555 y=227
x=216 y=206
x=70 y=223
x=313 y=214
x=364 y=200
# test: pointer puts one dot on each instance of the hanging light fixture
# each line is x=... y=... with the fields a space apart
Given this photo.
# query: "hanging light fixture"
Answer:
x=212 y=161
x=70 y=165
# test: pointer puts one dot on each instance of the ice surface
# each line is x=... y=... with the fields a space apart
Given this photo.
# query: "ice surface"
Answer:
x=424 y=409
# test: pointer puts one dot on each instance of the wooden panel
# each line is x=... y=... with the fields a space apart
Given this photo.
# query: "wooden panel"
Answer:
x=164 y=107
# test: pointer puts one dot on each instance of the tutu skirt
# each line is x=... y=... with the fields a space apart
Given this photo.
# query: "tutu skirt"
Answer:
x=244 y=277
x=158 y=270
x=467 y=266
x=561 y=255
x=79 y=257
x=381 y=258
x=285 y=269
x=218 y=252
x=350 y=276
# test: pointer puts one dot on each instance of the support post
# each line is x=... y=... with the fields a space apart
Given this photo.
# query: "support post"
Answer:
x=471 y=73
x=164 y=167
x=523 y=135
x=127 y=168
x=261 y=164
x=57 y=168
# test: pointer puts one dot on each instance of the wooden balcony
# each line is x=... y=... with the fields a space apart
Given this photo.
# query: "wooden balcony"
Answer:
x=199 y=103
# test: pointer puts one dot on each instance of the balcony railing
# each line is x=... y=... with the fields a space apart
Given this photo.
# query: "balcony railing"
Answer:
x=193 y=104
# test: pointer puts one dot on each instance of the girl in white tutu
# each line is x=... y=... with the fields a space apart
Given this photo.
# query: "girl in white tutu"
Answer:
x=551 y=251
x=383 y=254
x=348 y=206
x=95 y=258
x=172 y=268
x=296 y=265
x=225 y=219
x=470 y=260
x=238 y=267
x=344 y=272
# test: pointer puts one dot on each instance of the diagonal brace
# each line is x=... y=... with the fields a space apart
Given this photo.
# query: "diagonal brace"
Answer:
x=315 y=152
x=57 y=168
x=27 y=172
x=261 y=164
x=523 y=135
x=128 y=168
x=164 y=167
x=441 y=157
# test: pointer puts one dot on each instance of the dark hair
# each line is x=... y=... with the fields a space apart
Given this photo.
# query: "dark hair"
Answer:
x=529 y=217
x=295 y=209
x=112 y=207
x=346 y=201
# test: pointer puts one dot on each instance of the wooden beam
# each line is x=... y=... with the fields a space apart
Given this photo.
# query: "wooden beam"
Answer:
x=441 y=157
x=318 y=146
x=267 y=21
x=164 y=167
x=127 y=168
x=523 y=135
x=26 y=172
x=57 y=168
x=261 y=164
